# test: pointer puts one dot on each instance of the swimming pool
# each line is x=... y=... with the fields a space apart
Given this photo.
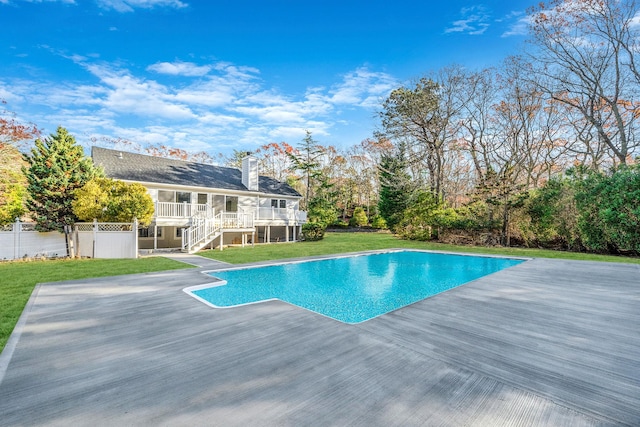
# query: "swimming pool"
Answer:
x=350 y=289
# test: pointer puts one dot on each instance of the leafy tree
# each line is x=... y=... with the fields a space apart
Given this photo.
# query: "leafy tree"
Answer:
x=11 y=201
x=12 y=132
x=12 y=184
x=395 y=186
x=12 y=180
x=425 y=118
x=57 y=167
x=111 y=200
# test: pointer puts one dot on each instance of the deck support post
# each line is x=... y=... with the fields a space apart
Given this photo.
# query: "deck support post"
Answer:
x=155 y=237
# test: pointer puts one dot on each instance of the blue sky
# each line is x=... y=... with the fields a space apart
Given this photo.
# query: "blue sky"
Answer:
x=235 y=74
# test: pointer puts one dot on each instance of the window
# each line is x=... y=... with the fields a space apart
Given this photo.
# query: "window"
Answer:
x=148 y=232
x=179 y=232
x=166 y=196
x=275 y=203
x=218 y=202
x=202 y=199
x=174 y=196
x=182 y=197
x=231 y=204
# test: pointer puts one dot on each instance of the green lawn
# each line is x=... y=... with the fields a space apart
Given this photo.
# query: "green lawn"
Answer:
x=352 y=242
x=19 y=279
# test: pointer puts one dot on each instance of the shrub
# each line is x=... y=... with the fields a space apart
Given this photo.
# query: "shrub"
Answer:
x=609 y=210
x=340 y=224
x=359 y=218
x=552 y=209
x=378 y=222
x=313 y=231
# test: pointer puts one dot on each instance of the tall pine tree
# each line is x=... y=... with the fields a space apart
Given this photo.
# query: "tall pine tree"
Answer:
x=395 y=186
x=307 y=160
x=56 y=167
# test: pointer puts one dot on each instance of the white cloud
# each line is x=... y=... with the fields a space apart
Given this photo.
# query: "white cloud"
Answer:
x=363 y=88
x=179 y=68
x=42 y=1
x=128 y=94
x=518 y=24
x=131 y=5
x=474 y=21
x=10 y=93
x=228 y=107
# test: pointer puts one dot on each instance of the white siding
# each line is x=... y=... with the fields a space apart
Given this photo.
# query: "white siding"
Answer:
x=247 y=203
x=250 y=173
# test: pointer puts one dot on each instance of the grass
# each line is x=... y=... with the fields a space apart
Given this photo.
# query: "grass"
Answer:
x=334 y=243
x=19 y=279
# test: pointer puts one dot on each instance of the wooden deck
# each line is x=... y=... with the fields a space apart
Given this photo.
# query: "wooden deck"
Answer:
x=547 y=343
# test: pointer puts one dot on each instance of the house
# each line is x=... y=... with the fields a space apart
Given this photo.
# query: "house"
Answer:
x=198 y=204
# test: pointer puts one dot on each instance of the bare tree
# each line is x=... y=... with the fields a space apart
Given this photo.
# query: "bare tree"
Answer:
x=587 y=52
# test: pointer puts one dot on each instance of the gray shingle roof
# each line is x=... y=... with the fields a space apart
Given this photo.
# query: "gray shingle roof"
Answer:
x=143 y=168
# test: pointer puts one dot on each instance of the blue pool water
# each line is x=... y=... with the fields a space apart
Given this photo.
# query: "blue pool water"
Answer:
x=351 y=289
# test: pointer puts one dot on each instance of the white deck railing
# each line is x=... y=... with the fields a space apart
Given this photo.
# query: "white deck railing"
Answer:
x=282 y=214
x=235 y=220
x=182 y=210
x=190 y=210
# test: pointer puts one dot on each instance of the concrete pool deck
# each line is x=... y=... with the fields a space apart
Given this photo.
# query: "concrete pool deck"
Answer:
x=547 y=342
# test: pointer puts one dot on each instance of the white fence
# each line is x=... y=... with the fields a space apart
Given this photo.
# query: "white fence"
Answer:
x=106 y=239
x=94 y=240
x=20 y=240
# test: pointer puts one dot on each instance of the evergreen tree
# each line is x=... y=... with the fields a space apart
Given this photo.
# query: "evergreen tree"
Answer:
x=395 y=186
x=307 y=160
x=56 y=167
x=359 y=218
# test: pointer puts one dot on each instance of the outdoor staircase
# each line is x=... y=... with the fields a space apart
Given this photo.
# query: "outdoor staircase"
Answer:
x=205 y=229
